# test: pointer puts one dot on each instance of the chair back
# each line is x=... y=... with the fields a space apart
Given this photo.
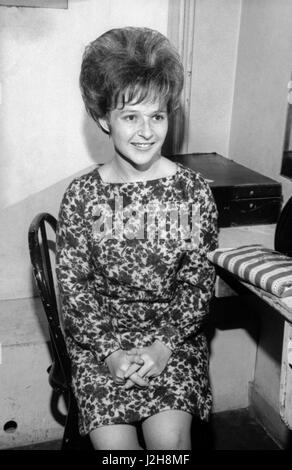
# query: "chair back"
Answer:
x=41 y=250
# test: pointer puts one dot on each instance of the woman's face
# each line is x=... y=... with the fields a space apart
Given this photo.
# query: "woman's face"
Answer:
x=138 y=131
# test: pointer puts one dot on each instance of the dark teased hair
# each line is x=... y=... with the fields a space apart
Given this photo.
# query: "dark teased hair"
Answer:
x=128 y=65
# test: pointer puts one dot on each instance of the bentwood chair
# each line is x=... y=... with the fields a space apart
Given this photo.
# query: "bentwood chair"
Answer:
x=42 y=251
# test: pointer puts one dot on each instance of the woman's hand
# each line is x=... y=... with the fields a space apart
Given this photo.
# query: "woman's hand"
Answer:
x=155 y=359
x=119 y=362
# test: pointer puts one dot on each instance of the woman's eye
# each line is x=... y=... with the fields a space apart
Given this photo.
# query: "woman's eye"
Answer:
x=130 y=117
x=159 y=117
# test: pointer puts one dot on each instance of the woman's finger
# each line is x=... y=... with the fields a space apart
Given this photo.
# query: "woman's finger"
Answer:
x=149 y=374
x=129 y=384
x=132 y=368
x=134 y=352
x=135 y=359
x=146 y=368
x=119 y=379
x=139 y=381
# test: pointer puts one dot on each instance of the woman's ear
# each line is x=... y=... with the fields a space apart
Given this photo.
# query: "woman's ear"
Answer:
x=104 y=125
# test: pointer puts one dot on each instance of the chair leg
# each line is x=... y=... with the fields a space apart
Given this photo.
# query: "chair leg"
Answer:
x=71 y=438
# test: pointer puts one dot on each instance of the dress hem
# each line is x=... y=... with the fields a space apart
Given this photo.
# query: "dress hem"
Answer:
x=143 y=418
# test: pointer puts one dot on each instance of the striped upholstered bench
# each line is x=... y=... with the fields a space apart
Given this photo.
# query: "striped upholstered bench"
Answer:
x=257 y=265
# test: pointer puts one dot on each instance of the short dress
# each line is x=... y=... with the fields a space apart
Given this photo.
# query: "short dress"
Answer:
x=132 y=268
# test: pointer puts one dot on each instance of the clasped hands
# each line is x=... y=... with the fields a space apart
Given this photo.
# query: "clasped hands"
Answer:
x=136 y=366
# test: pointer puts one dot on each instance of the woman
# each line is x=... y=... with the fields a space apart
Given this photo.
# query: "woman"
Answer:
x=132 y=240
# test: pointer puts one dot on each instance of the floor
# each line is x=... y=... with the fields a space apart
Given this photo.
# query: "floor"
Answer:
x=237 y=430
x=230 y=430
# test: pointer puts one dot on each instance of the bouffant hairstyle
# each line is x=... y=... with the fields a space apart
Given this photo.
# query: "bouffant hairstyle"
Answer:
x=130 y=65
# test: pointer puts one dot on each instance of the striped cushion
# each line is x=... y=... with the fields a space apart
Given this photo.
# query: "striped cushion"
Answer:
x=257 y=265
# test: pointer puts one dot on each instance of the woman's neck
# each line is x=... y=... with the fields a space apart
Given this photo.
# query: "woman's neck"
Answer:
x=128 y=172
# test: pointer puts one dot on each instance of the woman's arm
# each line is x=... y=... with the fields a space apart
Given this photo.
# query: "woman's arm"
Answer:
x=84 y=321
x=195 y=279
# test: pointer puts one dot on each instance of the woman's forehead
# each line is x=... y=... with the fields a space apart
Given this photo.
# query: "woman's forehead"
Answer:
x=145 y=105
x=141 y=95
x=149 y=101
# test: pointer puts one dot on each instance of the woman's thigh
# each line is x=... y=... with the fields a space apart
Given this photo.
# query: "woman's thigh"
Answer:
x=169 y=429
x=115 y=437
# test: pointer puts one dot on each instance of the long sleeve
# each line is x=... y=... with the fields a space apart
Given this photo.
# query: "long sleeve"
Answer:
x=195 y=279
x=84 y=322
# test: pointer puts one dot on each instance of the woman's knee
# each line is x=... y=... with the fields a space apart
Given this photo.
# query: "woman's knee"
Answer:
x=172 y=440
x=168 y=431
x=115 y=437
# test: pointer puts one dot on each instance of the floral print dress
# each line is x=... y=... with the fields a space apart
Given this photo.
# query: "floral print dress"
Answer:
x=132 y=268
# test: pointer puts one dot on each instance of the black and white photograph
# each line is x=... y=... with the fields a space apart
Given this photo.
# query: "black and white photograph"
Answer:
x=146 y=228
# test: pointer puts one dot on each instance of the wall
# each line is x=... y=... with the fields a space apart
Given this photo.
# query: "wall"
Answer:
x=42 y=116
x=27 y=406
x=260 y=95
x=214 y=63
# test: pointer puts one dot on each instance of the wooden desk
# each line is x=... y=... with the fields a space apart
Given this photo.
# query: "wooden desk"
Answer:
x=284 y=308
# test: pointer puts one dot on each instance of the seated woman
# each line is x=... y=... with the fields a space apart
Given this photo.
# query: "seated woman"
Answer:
x=132 y=244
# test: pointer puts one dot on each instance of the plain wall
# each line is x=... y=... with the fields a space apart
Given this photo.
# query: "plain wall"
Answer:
x=260 y=93
x=216 y=34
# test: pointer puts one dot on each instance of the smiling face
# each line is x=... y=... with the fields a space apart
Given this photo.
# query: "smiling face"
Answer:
x=138 y=131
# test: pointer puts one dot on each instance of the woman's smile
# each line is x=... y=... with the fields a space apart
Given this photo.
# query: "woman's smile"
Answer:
x=143 y=146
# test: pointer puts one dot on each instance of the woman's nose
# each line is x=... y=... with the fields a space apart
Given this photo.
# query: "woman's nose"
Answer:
x=145 y=129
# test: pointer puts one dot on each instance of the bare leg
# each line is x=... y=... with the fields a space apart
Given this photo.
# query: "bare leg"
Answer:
x=115 y=437
x=170 y=429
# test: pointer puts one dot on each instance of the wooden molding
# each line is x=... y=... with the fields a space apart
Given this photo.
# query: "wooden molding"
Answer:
x=181 y=23
x=35 y=3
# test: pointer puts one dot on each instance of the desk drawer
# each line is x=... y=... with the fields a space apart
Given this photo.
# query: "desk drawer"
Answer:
x=248 y=211
x=256 y=191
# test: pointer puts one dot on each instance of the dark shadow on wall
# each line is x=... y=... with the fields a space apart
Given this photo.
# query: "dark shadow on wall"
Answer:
x=98 y=143
x=176 y=133
x=289 y=442
x=230 y=313
x=250 y=313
